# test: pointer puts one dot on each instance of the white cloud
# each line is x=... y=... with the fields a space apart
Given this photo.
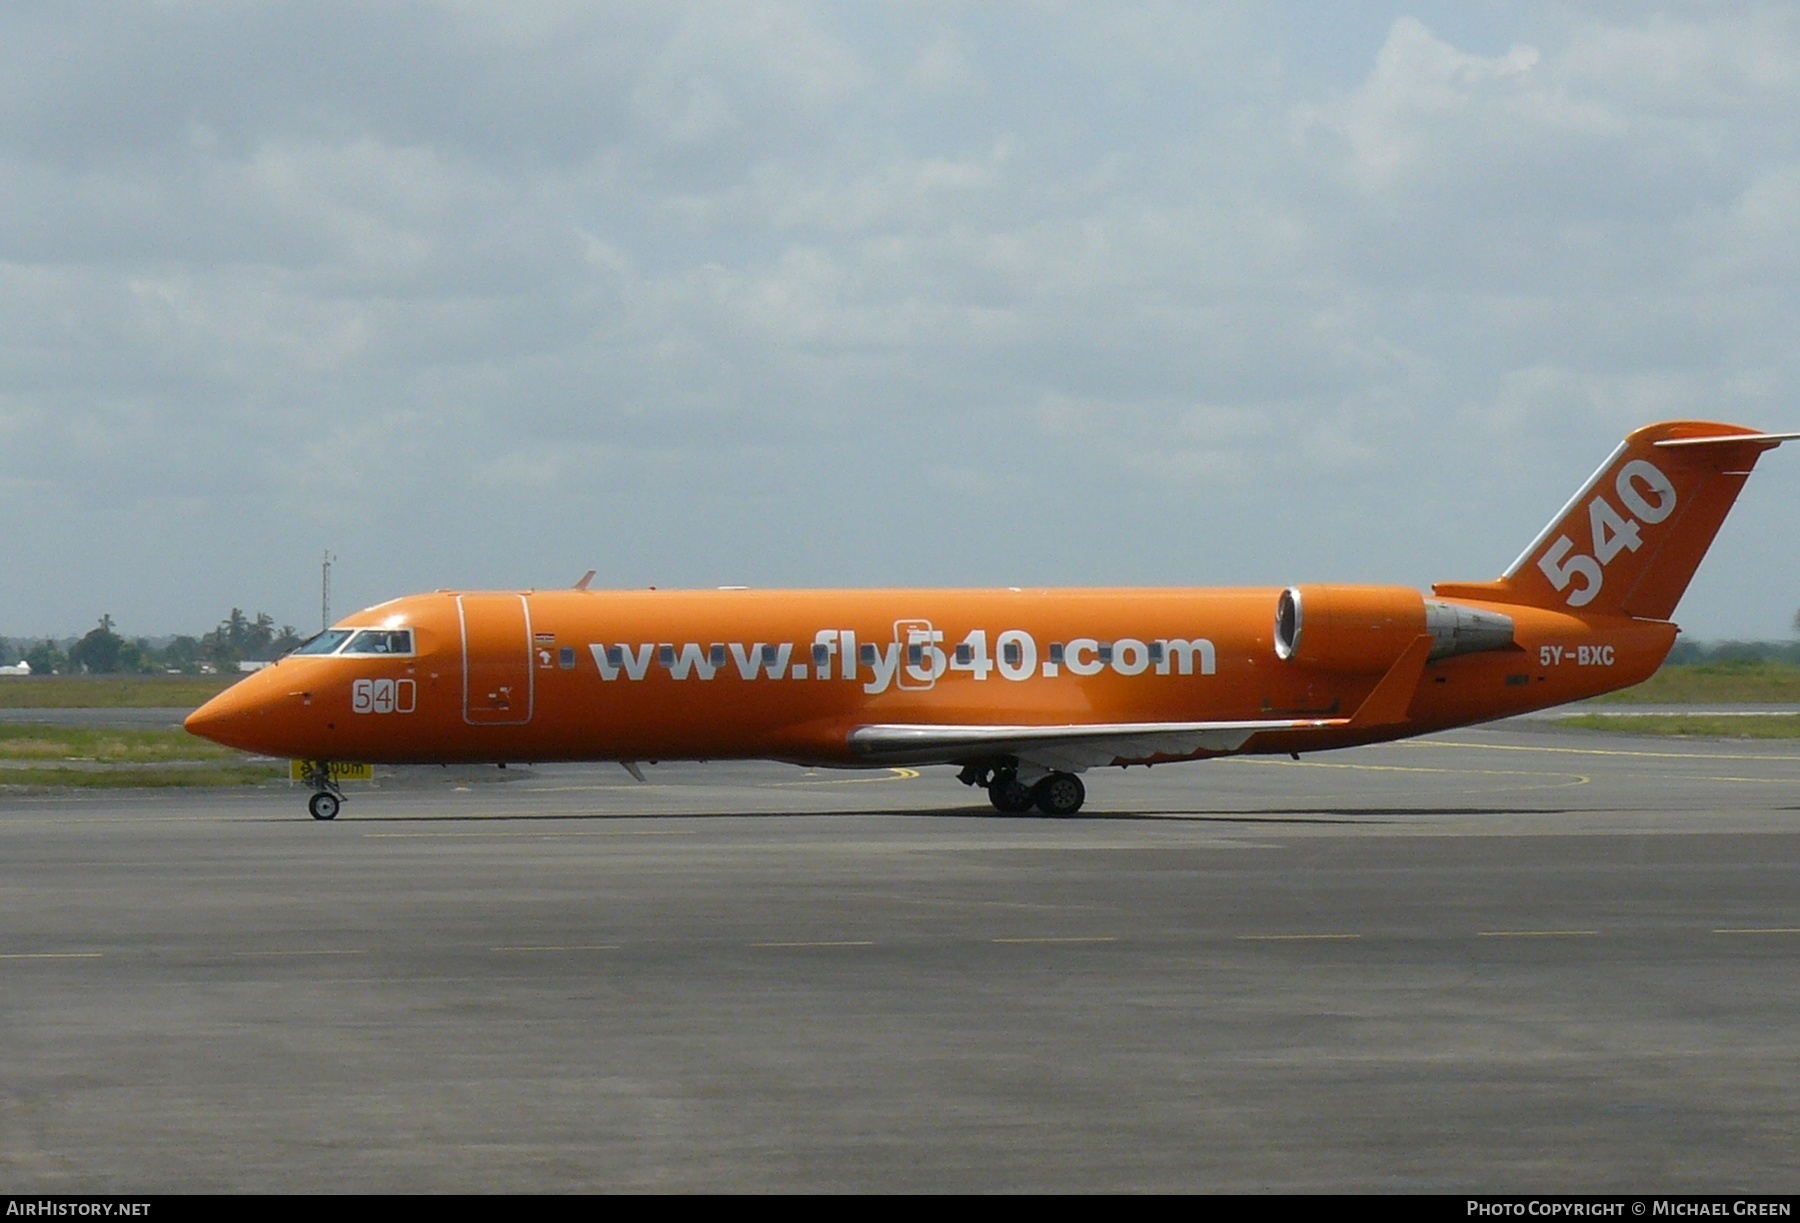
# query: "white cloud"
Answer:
x=550 y=284
x=1401 y=118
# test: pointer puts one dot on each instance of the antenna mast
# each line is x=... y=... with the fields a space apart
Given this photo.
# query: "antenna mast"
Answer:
x=325 y=592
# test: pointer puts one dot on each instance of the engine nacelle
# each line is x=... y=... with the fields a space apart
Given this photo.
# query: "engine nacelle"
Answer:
x=1366 y=628
x=1347 y=628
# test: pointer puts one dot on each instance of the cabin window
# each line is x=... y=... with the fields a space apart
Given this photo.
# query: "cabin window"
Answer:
x=771 y=655
x=565 y=658
x=615 y=656
x=1013 y=653
x=381 y=641
x=717 y=654
x=1105 y=652
x=1056 y=652
x=915 y=654
x=965 y=655
x=868 y=654
x=324 y=643
x=821 y=655
x=1156 y=653
x=665 y=654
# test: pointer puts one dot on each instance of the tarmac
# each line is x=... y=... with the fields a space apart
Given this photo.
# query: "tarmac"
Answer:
x=1505 y=959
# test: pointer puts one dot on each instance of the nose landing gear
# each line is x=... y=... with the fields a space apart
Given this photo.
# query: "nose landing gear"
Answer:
x=327 y=798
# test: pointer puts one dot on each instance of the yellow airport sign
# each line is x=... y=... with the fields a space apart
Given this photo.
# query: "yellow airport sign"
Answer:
x=340 y=771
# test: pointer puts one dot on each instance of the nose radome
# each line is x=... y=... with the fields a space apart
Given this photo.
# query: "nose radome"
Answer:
x=229 y=717
x=205 y=720
x=197 y=722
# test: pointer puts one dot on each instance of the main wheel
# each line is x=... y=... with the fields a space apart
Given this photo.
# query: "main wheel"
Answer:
x=1059 y=794
x=323 y=805
x=1009 y=795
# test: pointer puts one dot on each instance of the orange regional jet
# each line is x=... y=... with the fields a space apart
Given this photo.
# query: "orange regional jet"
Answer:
x=1024 y=689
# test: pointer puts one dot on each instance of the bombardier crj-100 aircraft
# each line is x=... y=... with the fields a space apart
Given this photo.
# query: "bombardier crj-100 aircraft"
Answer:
x=1023 y=689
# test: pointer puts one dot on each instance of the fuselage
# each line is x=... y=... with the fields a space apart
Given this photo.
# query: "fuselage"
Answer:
x=1024 y=689
x=663 y=675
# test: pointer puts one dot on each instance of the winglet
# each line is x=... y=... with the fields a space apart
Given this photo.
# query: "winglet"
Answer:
x=585 y=579
x=1388 y=703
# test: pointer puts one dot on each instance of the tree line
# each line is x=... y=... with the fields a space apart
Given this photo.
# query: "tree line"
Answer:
x=103 y=651
x=1686 y=652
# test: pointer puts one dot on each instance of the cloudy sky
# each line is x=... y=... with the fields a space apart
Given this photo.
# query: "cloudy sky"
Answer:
x=915 y=294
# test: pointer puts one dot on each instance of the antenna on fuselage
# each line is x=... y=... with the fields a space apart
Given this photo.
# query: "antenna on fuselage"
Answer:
x=585 y=579
x=325 y=591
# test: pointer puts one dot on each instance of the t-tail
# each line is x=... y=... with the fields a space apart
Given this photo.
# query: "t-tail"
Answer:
x=1628 y=543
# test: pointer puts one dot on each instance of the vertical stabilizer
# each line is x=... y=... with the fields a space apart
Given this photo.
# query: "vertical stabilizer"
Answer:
x=1628 y=543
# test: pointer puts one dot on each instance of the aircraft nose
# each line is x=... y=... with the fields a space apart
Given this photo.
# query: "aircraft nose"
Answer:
x=232 y=718
x=205 y=720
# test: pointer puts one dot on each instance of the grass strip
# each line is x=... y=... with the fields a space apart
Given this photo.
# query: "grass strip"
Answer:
x=107 y=745
x=111 y=691
x=1709 y=683
x=140 y=778
x=1699 y=726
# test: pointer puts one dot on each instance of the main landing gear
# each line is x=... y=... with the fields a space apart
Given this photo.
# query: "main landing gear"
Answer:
x=326 y=798
x=1059 y=794
x=1055 y=794
x=1009 y=795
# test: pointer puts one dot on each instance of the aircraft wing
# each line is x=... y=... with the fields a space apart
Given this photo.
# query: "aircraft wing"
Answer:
x=1089 y=745
x=1067 y=748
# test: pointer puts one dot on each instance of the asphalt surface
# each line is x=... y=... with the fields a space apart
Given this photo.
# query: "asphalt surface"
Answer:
x=1497 y=960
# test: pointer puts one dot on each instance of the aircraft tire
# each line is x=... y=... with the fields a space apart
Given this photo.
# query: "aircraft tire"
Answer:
x=1059 y=794
x=1009 y=795
x=323 y=805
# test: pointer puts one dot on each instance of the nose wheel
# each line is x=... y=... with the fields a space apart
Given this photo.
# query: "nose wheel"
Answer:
x=327 y=800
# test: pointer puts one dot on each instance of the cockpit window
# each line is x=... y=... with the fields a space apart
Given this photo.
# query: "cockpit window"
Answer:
x=381 y=641
x=324 y=643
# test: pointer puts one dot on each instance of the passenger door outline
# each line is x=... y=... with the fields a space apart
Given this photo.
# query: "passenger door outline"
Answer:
x=491 y=697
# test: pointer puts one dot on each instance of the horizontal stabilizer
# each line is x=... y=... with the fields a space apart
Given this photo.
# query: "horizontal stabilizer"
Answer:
x=1767 y=439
